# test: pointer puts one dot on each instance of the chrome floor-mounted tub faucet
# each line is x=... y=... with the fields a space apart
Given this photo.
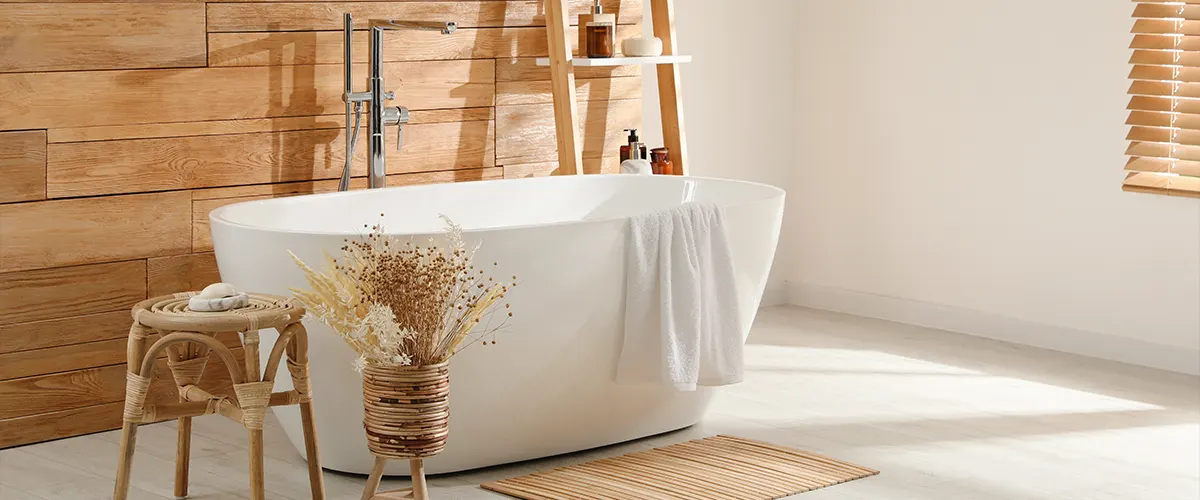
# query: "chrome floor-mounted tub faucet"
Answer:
x=378 y=115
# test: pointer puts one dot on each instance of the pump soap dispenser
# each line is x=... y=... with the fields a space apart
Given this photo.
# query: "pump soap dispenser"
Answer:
x=637 y=163
x=634 y=143
x=601 y=33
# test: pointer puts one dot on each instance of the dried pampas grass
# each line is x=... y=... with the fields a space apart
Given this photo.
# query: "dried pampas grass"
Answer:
x=397 y=303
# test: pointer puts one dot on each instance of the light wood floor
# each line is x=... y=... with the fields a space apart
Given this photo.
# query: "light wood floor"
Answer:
x=943 y=416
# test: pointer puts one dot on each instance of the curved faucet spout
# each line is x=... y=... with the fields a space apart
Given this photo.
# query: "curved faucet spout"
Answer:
x=389 y=24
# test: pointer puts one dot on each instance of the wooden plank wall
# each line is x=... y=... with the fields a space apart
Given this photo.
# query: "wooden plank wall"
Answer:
x=122 y=125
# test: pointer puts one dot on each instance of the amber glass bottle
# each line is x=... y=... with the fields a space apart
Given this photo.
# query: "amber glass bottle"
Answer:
x=601 y=30
x=601 y=36
x=661 y=161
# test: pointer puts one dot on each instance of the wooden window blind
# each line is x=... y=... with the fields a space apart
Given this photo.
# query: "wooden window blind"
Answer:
x=1164 y=99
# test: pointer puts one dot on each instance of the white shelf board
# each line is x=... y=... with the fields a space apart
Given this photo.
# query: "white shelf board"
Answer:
x=621 y=61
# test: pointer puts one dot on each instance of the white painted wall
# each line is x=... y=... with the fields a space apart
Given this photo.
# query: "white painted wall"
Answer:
x=958 y=165
x=739 y=96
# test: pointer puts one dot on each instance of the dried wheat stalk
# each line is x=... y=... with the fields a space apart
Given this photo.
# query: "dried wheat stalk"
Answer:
x=397 y=303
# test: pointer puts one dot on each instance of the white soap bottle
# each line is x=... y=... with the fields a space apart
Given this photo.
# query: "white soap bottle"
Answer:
x=636 y=164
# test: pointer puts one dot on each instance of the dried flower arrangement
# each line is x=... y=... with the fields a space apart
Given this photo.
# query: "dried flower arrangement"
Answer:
x=397 y=303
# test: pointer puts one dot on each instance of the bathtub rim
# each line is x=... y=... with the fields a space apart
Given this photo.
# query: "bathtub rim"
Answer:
x=217 y=216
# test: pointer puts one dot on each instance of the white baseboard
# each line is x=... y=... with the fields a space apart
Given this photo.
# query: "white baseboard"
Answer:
x=981 y=324
x=775 y=294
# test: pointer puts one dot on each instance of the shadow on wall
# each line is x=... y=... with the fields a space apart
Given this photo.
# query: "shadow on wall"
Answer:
x=302 y=150
x=311 y=147
x=313 y=140
x=308 y=142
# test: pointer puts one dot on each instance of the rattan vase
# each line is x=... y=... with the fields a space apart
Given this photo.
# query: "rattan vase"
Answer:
x=406 y=416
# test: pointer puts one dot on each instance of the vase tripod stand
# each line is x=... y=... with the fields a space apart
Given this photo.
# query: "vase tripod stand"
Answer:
x=406 y=416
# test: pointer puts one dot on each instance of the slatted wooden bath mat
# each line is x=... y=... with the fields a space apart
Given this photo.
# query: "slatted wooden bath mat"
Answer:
x=718 y=468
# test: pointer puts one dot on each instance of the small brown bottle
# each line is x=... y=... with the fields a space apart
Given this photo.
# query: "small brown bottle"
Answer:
x=601 y=33
x=661 y=161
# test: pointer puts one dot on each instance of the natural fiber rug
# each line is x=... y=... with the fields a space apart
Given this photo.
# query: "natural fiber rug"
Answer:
x=719 y=468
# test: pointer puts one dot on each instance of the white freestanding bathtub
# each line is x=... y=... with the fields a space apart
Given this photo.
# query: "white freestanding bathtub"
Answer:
x=547 y=387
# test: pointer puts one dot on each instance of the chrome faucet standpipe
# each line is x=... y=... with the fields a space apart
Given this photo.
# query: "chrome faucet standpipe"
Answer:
x=378 y=116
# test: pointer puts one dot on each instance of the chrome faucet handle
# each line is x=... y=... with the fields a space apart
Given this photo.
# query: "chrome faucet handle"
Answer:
x=389 y=95
x=395 y=115
x=398 y=116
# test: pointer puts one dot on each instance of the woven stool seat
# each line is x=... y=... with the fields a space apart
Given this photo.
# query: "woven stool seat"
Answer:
x=189 y=340
x=170 y=312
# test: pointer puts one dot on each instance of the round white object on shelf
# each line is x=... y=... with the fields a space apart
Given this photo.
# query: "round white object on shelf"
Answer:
x=642 y=47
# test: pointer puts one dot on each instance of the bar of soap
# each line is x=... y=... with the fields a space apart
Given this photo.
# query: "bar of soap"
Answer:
x=642 y=47
x=218 y=290
x=202 y=304
x=218 y=297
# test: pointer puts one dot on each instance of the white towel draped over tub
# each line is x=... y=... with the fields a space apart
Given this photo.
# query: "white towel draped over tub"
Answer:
x=682 y=326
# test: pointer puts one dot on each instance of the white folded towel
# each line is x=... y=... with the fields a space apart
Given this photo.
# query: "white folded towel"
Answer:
x=682 y=324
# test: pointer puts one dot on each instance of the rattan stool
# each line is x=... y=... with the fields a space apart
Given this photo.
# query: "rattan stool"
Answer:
x=188 y=338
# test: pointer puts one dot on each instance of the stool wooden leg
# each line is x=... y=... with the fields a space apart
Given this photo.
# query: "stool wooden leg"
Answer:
x=374 y=479
x=134 y=354
x=316 y=479
x=125 y=466
x=420 y=491
x=183 y=456
x=297 y=353
x=257 y=488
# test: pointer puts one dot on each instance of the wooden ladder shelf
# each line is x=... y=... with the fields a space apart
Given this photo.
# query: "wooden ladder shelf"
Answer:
x=562 y=76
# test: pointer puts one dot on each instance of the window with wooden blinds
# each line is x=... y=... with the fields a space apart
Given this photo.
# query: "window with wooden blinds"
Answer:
x=1164 y=102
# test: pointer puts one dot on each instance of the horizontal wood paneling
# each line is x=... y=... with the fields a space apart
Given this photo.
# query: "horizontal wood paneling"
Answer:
x=77 y=357
x=226 y=127
x=330 y=186
x=93 y=386
x=525 y=134
x=593 y=89
x=61 y=359
x=526 y=69
x=109 y=167
x=65 y=331
x=313 y=16
x=22 y=166
x=59 y=424
x=101 y=36
x=33 y=428
x=106 y=167
x=68 y=232
x=211 y=199
x=591 y=166
x=53 y=100
x=181 y=273
x=325 y=47
x=442 y=146
x=70 y=291
x=63 y=391
x=185 y=129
